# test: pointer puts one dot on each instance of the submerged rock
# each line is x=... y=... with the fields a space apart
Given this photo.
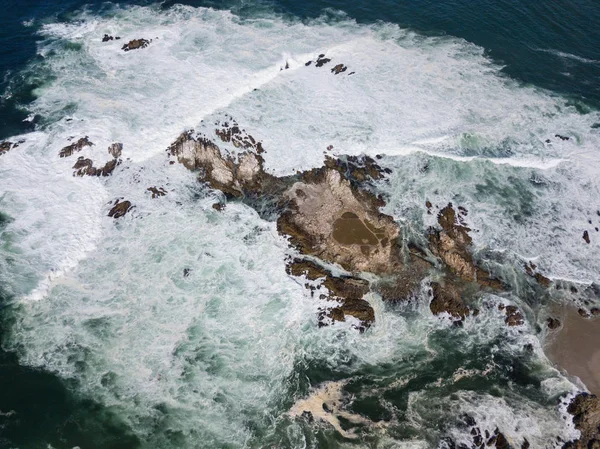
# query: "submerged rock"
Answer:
x=120 y=208
x=157 y=191
x=75 y=147
x=136 y=44
x=585 y=409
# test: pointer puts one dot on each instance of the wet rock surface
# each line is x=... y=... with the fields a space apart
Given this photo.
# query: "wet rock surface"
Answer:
x=447 y=299
x=108 y=37
x=157 y=191
x=531 y=270
x=136 y=44
x=585 y=409
x=115 y=150
x=483 y=438
x=120 y=208
x=6 y=146
x=85 y=167
x=75 y=147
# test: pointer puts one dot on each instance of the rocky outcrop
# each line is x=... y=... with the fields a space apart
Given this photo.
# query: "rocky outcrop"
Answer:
x=585 y=409
x=452 y=244
x=514 y=317
x=120 y=208
x=75 y=147
x=136 y=44
x=348 y=291
x=231 y=132
x=586 y=237
x=85 y=167
x=531 y=270
x=339 y=69
x=447 y=299
x=235 y=176
x=6 y=146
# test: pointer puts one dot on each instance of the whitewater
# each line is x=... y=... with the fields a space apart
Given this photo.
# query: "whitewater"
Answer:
x=229 y=355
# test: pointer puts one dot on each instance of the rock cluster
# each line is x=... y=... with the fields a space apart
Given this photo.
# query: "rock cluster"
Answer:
x=136 y=44
x=585 y=409
x=75 y=147
x=157 y=191
x=322 y=60
x=108 y=37
x=85 y=167
x=6 y=146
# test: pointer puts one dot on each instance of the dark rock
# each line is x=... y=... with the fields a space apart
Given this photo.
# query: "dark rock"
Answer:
x=107 y=38
x=136 y=44
x=157 y=191
x=322 y=61
x=119 y=209
x=584 y=313
x=218 y=206
x=561 y=137
x=308 y=63
x=186 y=272
x=595 y=311
x=553 y=323
x=585 y=409
x=525 y=444
x=586 y=237
x=75 y=147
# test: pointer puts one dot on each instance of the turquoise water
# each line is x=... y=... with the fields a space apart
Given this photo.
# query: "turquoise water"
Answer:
x=105 y=343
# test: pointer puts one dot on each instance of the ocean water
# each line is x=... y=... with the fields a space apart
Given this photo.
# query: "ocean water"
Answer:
x=105 y=344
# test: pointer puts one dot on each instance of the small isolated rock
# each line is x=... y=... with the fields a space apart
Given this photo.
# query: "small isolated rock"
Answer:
x=186 y=272
x=6 y=146
x=583 y=313
x=218 y=206
x=135 y=44
x=561 y=137
x=553 y=323
x=75 y=147
x=513 y=316
x=119 y=209
x=586 y=237
x=115 y=150
x=339 y=69
x=107 y=38
x=157 y=192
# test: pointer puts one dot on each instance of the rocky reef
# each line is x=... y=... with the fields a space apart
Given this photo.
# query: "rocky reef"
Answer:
x=585 y=409
x=331 y=217
x=136 y=44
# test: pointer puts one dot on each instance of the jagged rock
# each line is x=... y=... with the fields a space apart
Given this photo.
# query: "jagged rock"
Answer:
x=561 y=137
x=157 y=192
x=234 y=177
x=585 y=409
x=447 y=298
x=75 y=147
x=586 y=237
x=115 y=150
x=136 y=44
x=339 y=69
x=120 y=208
x=553 y=323
x=107 y=38
x=85 y=167
x=531 y=270
x=452 y=245
x=186 y=272
x=348 y=290
x=238 y=137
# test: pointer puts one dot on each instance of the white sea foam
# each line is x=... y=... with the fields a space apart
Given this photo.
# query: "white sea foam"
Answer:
x=208 y=356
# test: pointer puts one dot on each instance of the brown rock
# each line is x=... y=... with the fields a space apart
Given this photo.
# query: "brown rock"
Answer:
x=586 y=237
x=447 y=298
x=585 y=409
x=85 y=167
x=531 y=270
x=339 y=69
x=119 y=209
x=513 y=316
x=6 y=146
x=115 y=150
x=218 y=206
x=75 y=147
x=157 y=192
x=136 y=44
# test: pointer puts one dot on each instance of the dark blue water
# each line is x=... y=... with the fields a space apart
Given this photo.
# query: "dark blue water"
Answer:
x=554 y=45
